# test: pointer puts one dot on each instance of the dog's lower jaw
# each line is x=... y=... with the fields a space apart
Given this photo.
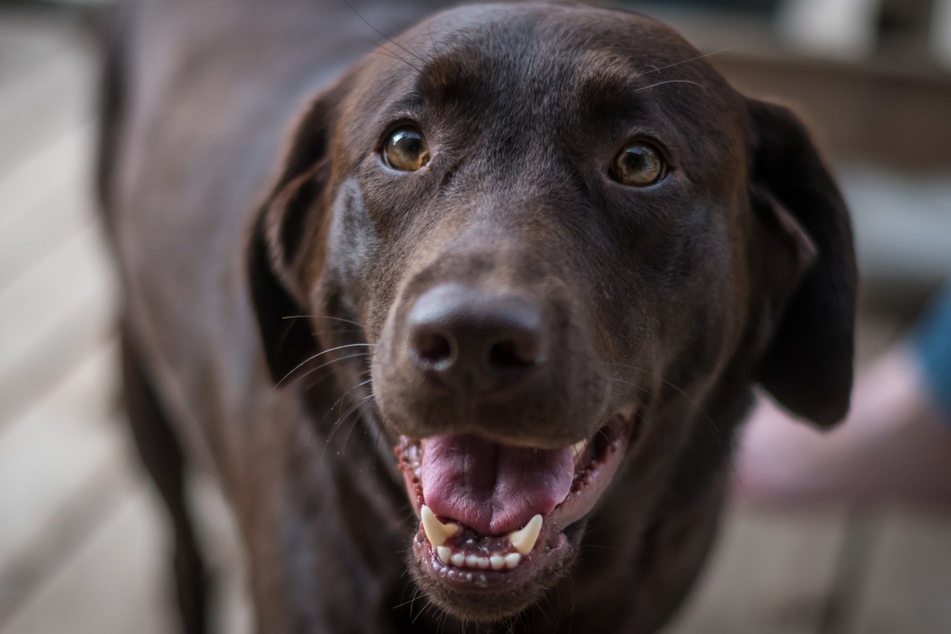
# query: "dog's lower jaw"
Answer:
x=485 y=578
x=486 y=595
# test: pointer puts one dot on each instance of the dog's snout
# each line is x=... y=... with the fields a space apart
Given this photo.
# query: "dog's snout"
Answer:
x=473 y=340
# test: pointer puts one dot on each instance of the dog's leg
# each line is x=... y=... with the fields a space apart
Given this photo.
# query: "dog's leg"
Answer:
x=162 y=455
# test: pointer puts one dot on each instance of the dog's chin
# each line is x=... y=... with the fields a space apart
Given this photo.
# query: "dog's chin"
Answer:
x=488 y=575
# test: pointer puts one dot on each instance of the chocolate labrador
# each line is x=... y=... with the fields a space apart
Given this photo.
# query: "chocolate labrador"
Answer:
x=463 y=325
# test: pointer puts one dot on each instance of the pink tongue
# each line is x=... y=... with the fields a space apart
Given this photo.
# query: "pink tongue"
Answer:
x=489 y=487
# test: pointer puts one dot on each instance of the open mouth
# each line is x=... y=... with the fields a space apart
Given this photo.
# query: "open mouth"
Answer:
x=493 y=516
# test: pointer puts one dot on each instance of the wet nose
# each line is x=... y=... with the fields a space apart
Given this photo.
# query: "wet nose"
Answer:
x=473 y=340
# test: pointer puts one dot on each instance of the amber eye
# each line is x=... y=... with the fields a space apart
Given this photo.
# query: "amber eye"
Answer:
x=405 y=149
x=638 y=165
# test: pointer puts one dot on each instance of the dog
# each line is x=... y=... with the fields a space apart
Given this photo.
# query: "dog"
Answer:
x=463 y=322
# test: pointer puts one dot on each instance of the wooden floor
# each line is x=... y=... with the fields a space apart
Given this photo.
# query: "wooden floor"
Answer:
x=82 y=540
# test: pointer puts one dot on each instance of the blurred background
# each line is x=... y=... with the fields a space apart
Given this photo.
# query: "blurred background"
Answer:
x=82 y=540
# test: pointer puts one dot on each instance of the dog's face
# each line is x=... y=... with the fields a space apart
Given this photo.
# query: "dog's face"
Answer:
x=565 y=238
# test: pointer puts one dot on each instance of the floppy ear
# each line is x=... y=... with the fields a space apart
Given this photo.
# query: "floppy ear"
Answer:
x=807 y=364
x=278 y=250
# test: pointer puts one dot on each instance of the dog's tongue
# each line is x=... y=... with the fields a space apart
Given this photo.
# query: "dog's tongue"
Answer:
x=492 y=488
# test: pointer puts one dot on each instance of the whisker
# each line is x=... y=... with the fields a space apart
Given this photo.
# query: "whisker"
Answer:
x=346 y=439
x=419 y=614
x=310 y=371
x=631 y=384
x=692 y=59
x=432 y=40
x=691 y=400
x=696 y=406
x=340 y=421
x=410 y=601
x=672 y=81
x=346 y=321
x=385 y=52
x=321 y=353
x=350 y=389
x=382 y=450
x=388 y=38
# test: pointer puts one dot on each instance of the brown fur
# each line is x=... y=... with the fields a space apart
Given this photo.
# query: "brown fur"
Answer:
x=252 y=291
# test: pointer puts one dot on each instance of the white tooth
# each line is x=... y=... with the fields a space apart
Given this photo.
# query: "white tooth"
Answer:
x=524 y=539
x=578 y=448
x=497 y=561
x=436 y=532
x=483 y=562
x=457 y=560
x=472 y=561
x=444 y=552
x=512 y=560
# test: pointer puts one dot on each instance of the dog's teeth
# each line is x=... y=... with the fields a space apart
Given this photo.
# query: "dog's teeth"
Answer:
x=524 y=539
x=578 y=448
x=477 y=562
x=444 y=552
x=436 y=532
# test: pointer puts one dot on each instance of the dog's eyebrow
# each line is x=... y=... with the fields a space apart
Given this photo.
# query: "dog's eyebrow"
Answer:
x=411 y=101
x=607 y=84
x=605 y=68
x=452 y=78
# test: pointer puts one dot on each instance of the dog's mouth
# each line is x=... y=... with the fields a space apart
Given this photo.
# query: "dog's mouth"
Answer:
x=493 y=516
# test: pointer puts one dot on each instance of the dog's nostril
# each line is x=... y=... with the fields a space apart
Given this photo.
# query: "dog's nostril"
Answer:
x=432 y=348
x=513 y=354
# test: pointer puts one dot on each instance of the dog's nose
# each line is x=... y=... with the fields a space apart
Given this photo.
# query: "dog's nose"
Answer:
x=473 y=340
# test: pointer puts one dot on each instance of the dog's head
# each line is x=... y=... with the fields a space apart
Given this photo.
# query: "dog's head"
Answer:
x=568 y=244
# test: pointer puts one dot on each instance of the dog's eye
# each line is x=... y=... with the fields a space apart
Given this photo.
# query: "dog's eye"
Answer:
x=405 y=149
x=638 y=165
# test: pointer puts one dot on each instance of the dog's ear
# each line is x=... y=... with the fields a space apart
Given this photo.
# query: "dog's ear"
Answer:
x=807 y=363
x=278 y=250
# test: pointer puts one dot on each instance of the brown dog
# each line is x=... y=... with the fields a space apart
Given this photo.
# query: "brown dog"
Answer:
x=539 y=252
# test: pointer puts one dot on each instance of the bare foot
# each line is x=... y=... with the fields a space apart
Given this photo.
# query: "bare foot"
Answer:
x=892 y=447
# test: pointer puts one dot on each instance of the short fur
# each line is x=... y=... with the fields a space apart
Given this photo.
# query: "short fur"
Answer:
x=269 y=300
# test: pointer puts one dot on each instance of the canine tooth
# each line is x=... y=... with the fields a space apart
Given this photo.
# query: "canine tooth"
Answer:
x=457 y=560
x=512 y=560
x=578 y=448
x=497 y=561
x=525 y=538
x=436 y=532
x=444 y=553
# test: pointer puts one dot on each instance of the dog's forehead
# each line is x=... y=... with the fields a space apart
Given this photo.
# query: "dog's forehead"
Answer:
x=582 y=48
x=558 y=61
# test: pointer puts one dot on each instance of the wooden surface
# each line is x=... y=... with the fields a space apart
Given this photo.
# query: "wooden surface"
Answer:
x=83 y=543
